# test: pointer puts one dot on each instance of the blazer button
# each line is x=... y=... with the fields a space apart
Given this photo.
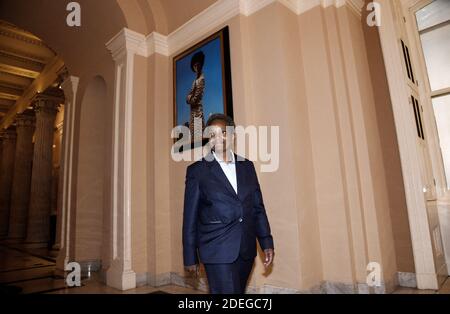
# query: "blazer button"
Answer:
x=240 y=219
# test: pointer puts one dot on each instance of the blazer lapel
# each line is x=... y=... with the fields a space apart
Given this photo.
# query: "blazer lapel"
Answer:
x=239 y=176
x=217 y=171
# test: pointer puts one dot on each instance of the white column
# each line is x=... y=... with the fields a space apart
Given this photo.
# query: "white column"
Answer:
x=123 y=47
x=70 y=87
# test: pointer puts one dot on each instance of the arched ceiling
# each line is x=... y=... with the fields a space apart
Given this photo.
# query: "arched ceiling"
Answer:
x=80 y=47
x=178 y=12
x=162 y=16
x=23 y=57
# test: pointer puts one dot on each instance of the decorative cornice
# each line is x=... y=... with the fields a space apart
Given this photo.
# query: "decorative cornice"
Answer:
x=157 y=43
x=20 y=37
x=301 y=6
x=213 y=16
x=127 y=41
x=248 y=7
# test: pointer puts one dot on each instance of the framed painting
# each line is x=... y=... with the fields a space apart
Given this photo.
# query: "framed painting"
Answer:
x=201 y=87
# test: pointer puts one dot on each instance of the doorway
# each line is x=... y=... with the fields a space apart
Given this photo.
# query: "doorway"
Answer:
x=430 y=21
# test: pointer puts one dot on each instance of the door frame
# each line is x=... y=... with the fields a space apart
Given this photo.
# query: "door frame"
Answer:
x=411 y=163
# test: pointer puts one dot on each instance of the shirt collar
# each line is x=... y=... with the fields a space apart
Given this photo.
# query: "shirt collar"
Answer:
x=222 y=161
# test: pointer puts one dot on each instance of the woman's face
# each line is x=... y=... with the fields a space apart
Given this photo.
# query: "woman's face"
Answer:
x=218 y=137
x=197 y=68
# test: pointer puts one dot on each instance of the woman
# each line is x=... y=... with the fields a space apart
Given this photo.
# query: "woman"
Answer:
x=195 y=96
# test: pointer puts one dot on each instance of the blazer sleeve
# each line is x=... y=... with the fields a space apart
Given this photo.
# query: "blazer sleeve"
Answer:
x=263 y=232
x=190 y=213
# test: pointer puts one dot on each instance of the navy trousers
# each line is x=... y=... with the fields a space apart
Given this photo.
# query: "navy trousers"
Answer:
x=229 y=278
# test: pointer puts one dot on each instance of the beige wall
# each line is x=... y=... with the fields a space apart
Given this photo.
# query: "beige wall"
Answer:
x=289 y=193
x=91 y=155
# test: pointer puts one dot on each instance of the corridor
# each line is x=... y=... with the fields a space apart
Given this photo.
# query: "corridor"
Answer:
x=344 y=120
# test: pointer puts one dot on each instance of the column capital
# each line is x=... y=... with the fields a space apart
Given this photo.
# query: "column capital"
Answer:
x=126 y=42
x=8 y=134
x=48 y=102
x=25 y=120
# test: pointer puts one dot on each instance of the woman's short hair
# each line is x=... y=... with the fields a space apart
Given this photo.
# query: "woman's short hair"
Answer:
x=199 y=58
x=221 y=117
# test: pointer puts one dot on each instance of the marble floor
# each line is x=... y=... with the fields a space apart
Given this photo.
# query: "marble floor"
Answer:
x=445 y=289
x=25 y=271
x=32 y=271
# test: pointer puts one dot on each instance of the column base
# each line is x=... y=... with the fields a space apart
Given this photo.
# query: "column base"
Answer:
x=13 y=240
x=59 y=273
x=120 y=279
x=427 y=281
x=61 y=260
x=35 y=245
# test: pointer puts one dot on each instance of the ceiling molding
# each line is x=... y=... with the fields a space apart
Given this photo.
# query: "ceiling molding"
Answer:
x=207 y=20
x=157 y=43
x=302 y=6
x=19 y=62
x=6 y=25
x=6 y=68
x=249 y=7
x=213 y=16
x=21 y=37
x=127 y=41
x=22 y=55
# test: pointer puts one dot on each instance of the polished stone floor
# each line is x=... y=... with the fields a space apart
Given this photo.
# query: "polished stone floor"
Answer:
x=445 y=289
x=31 y=271
x=25 y=271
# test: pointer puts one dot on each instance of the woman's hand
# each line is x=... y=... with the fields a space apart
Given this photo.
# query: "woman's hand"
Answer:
x=193 y=270
x=269 y=257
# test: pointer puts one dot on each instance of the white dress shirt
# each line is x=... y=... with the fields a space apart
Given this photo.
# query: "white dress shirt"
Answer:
x=229 y=168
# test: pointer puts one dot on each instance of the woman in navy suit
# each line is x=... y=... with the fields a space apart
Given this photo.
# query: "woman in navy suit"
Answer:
x=224 y=214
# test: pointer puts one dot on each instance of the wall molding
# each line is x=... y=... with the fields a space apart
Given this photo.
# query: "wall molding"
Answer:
x=209 y=19
x=302 y=6
x=407 y=280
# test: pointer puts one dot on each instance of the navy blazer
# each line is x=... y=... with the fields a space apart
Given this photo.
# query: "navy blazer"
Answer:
x=217 y=222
